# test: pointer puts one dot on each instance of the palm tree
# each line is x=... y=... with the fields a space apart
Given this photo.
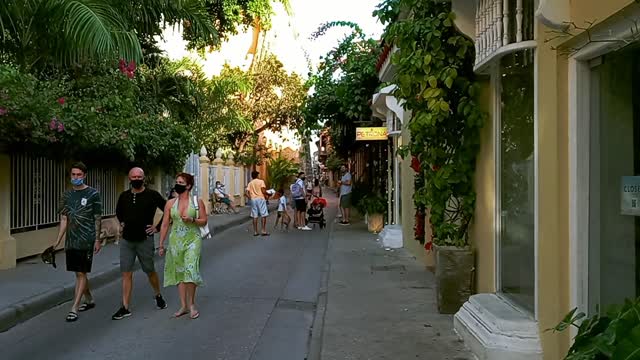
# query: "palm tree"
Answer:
x=41 y=33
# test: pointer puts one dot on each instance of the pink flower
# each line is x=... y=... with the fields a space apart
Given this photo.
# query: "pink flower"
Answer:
x=127 y=69
x=3 y=111
x=61 y=101
x=53 y=124
x=60 y=127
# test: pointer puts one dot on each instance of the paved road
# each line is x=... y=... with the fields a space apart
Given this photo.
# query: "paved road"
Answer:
x=258 y=303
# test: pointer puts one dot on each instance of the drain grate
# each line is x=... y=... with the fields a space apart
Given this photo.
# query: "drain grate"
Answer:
x=389 y=268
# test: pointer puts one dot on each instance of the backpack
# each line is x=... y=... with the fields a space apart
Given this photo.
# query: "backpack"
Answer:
x=297 y=191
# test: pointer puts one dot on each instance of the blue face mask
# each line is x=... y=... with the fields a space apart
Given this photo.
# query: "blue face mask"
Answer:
x=77 y=182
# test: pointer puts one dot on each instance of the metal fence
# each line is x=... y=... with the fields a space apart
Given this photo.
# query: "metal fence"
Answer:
x=38 y=183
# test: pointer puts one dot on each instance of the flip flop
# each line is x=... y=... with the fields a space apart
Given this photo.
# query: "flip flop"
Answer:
x=180 y=313
x=86 y=306
x=72 y=316
x=195 y=315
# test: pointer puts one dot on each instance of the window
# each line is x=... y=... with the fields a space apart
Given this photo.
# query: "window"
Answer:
x=516 y=179
x=614 y=160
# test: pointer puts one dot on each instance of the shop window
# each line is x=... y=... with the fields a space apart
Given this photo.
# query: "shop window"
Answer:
x=516 y=178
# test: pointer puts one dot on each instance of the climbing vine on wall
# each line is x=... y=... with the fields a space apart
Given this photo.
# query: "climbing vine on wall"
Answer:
x=434 y=75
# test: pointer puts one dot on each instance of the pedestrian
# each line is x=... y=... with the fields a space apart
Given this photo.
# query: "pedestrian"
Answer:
x=80 y=212
x=221 y=195
x=182 y=265
x=257 y=194
x=283 y=215
x=298 y=195
x=136 y=210
x=317 y=189
x=345 y=195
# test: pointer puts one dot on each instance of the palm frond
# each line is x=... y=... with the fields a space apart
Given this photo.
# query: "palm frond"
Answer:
x=97 y=30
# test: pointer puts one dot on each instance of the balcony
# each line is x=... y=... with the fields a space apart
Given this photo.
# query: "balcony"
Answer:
x=502 y=26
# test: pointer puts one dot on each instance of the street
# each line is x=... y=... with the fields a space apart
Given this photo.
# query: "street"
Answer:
x=258 y=302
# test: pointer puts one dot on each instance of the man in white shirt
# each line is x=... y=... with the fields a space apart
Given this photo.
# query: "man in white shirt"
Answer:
x=345 y=195
x=223 y=197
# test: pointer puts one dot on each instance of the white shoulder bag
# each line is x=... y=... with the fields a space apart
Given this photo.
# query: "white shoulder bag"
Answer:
x=205 y=233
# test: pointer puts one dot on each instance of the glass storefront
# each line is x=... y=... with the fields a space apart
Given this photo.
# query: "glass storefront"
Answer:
x=516 y=192
x=614 y=230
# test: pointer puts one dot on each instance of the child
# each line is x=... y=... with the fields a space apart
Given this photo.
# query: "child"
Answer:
x=283 y=215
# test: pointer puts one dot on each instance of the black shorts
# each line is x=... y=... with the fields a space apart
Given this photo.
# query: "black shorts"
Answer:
x=79 y=260
x=301 y=205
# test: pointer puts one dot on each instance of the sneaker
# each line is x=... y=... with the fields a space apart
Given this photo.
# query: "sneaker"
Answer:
x=160 y=303
x=121 y=314
x=345 y=223
x=305 y=228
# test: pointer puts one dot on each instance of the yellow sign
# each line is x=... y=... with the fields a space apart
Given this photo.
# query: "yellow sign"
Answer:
x=371 y=133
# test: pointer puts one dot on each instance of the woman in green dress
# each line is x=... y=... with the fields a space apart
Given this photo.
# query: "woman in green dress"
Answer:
x=182 y=265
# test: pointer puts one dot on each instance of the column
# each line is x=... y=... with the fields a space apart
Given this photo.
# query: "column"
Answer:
x=204 y=178
x=7 y=242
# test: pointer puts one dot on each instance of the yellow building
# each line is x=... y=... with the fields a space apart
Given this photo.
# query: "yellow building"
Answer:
x=555 y=224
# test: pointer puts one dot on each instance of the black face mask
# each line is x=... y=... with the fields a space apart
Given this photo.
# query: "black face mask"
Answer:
x=179 y=188
x=137 y=184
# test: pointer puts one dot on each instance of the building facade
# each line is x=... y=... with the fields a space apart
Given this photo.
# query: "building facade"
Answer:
x=555 y=225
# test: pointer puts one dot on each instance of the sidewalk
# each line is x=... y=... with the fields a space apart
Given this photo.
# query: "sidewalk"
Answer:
x=381 y=304
x=33 y=287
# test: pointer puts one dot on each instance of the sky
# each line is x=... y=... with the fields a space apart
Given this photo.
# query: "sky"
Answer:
x=289 y=39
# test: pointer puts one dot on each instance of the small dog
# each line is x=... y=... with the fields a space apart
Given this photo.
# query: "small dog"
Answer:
x=110 y=230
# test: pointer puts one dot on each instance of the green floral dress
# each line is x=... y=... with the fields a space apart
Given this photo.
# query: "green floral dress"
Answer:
x=182 y=264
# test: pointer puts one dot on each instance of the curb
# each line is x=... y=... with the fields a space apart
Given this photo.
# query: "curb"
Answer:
x=317 y=328
x=26 y=309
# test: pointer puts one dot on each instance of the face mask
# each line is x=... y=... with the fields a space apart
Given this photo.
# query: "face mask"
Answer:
x=303 y=178
x=179 y=188
x=77 y=182
x=137 y=184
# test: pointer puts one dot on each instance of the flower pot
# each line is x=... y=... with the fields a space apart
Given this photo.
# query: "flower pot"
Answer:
x=454 y=267
x=375 y=222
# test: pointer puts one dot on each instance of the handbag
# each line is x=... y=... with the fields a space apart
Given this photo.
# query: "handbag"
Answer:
x=205 y=232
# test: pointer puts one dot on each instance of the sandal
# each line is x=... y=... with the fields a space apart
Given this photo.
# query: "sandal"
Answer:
x=86 y=306
x=256 y=234
x=180 y=313
x=266 y=234
x=72 y=316
x=194 y=315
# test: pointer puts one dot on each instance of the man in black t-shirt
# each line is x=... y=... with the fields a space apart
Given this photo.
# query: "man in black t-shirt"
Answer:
x=136 y=209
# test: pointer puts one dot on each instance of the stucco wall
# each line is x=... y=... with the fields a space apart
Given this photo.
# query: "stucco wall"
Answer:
x=553 y=205
x=482 y=231
x=594 y=10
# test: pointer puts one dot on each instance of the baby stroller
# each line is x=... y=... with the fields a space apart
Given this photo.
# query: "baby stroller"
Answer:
x=316 y=213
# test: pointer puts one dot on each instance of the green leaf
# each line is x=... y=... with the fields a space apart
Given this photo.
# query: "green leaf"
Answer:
x=433 y=82
x=448 y=82
x=444 y=106
x=629 y=346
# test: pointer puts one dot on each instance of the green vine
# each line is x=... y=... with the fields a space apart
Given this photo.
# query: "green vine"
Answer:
x=434 y=75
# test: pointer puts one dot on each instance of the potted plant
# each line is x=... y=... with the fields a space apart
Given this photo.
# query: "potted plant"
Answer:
x=445 y=134
x=613 y=335
x=375 y=208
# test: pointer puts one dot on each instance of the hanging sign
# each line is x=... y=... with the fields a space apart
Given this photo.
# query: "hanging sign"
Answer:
x=371 y=133
x=630 y=196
